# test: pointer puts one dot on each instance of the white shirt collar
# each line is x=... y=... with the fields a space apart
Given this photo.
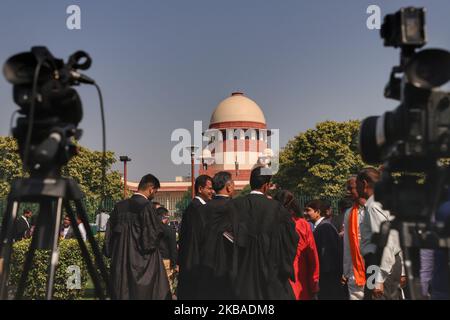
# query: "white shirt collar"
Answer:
x=26 y=220
x=222 y=195
x=200 y=199
x=256 y=192
x=140 y=194
x=369 y=201
x=318 y=222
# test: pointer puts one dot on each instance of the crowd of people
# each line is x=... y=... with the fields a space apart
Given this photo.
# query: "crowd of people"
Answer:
x=258 y=246
x=25 y=226
x=263 y=245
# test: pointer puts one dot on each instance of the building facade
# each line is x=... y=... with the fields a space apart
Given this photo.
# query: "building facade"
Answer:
x=237 y=141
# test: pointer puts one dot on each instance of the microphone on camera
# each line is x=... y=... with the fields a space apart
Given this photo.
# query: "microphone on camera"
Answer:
x=75 y=75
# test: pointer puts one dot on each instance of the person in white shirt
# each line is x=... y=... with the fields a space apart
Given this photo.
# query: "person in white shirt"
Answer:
x=81 y=228
x=101 y=220
x=391 y=275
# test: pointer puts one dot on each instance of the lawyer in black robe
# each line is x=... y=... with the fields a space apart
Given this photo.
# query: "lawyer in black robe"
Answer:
x=22 y=226
x=265 y=244
x=330 y=261
x=191 y=237
x=189 y=251
x=132 y=242
x=216 y=253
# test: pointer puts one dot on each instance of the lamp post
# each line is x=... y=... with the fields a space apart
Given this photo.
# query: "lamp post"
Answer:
x=124 y=159
x=192 y=149
x=206 y=159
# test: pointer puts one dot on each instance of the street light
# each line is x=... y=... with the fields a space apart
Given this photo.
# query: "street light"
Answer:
x=124 y=159
x=192 y=149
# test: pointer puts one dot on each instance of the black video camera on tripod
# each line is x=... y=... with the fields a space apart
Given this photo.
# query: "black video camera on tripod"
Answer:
x=413 y=141
x=50 y=113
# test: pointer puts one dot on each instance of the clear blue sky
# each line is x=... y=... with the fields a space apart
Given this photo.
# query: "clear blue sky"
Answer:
x=163 y=64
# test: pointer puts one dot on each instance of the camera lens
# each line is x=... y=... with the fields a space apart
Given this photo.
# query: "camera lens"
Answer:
x=368 y=146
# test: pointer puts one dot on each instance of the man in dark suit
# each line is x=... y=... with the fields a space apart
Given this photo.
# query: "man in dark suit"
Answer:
x=133 y=233
x=326 y=208
x=329 y=251
x=215 y=282
x=67 y=229
x=264 y=243
x=191 y=233
x=22 y=226
x=168 y=247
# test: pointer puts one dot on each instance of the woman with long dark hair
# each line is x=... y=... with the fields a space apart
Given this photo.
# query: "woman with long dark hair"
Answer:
x=306 y=262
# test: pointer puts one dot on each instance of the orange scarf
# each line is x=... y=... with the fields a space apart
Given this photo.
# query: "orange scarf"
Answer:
x=357 y=259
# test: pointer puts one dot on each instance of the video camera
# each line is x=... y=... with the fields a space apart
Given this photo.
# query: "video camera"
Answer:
x=51 y=109
x=412 y=141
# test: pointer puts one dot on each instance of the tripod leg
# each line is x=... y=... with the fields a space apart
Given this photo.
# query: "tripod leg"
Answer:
x=7 y=236
x=85 y=253
x=404 y=235
x=95 y=249
x=55 y=253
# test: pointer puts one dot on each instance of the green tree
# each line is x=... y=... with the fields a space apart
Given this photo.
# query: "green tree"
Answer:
x=181 y=205
x=85 y=168
x=10 y=164
x=318 y=162
x=245 y=191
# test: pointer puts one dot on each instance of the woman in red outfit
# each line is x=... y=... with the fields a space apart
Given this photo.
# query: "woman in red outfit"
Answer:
x=306 y=262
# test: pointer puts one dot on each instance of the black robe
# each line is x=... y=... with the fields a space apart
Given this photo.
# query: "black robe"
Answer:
x=189 y=256
x=21 y=228
x=132 y=240
x=168 y=245
x=264 y=247
x=330 y=261
x=216 y=253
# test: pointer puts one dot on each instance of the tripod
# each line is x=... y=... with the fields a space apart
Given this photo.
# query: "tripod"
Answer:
x=51 y=194
x=420 y=231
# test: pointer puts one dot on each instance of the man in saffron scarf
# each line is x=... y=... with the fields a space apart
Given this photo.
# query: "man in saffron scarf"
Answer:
x=353 y=268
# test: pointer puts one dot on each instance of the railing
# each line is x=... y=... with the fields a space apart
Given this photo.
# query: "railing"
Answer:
x=92 y=205
x=304 y=199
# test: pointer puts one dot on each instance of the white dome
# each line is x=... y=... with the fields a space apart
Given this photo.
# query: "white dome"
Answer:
x=237 y=108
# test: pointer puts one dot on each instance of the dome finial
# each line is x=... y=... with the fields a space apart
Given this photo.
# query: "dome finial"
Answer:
x=237 y=108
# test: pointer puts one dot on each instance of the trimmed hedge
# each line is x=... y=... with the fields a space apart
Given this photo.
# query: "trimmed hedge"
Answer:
x=69 y=255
